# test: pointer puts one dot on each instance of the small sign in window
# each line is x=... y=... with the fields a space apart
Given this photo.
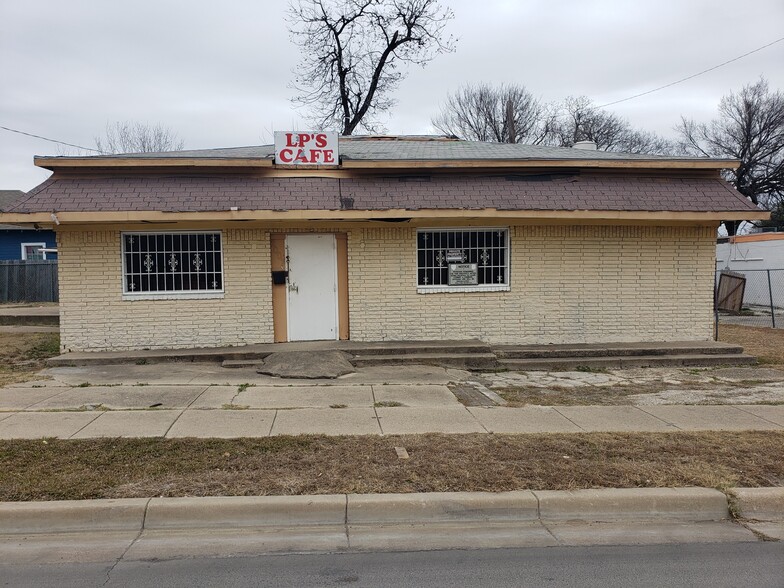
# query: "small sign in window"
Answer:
x=463 y=274
x=455 y=255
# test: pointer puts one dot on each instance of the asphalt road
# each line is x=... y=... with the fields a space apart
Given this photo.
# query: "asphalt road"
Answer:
x=711 y=565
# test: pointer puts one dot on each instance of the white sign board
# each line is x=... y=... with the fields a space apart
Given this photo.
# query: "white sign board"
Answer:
x=463 y=274
x=306 y=148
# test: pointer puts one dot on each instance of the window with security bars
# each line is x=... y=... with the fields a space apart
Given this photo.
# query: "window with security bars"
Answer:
x=462 y=258
x=182 y=263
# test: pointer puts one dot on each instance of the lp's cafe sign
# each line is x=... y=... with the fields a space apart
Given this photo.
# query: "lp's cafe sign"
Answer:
x=306 y=148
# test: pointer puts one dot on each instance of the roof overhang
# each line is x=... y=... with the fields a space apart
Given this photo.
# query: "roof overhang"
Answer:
x=594 y=216
x=103 y=163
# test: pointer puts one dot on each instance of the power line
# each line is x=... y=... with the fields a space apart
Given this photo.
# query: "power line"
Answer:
x=693 y=75
x=50 y=140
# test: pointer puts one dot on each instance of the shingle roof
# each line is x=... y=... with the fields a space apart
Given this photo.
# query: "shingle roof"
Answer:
x=407 y=148
x=9 y=196
x=587 y=191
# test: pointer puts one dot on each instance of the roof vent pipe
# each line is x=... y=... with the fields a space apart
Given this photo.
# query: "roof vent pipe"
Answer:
x=585 y=145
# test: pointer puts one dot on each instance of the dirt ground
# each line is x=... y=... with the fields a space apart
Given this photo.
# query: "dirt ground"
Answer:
x=22 y=355
x=765 y=343
x=122 y=468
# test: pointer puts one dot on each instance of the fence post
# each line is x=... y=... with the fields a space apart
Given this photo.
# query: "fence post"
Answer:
x=770 y=293
x=715 y=305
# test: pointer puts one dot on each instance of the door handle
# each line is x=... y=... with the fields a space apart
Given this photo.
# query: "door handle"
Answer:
x=293 y=288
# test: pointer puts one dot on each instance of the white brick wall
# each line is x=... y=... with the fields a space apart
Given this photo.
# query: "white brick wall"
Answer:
x=94 y=316
x=583 y=284
x=568 y=284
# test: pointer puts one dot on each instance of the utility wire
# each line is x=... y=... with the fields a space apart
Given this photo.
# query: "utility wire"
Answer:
x=693 y=75
x=50 y=140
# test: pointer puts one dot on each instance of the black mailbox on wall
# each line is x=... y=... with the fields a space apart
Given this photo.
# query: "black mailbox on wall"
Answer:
x=279 y=277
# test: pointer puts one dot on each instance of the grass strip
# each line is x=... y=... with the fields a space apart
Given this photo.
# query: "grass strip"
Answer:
x=55 y=469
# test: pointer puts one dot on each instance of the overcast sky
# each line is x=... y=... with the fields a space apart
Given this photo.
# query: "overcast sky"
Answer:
x=217 y=73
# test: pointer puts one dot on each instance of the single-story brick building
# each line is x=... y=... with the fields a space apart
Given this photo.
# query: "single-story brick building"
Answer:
x=398 y=238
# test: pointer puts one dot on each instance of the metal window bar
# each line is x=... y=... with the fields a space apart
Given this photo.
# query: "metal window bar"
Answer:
x=181 y=262
x=487 y=247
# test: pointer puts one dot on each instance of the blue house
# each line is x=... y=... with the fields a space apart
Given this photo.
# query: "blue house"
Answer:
x=22 y=243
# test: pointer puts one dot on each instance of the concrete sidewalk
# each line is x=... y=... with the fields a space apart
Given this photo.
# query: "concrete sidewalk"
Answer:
x=206 y=400
x=235 y=411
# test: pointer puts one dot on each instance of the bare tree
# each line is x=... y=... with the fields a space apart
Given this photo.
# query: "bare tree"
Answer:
x=501 y=114
x=136 y=137
x=750 y=127
x=579 y=119
x=352 y=51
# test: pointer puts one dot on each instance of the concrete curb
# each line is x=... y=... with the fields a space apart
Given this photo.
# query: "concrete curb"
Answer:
x=618 y=504
x=69 y=516
x=239 y=512
x=245 y=511
x=762 y=504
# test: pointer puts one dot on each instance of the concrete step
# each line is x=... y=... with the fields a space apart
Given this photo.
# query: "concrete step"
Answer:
x=241 y=363
x=615 y=350
x=418 y=347
x=618 y=362
x=473 y=361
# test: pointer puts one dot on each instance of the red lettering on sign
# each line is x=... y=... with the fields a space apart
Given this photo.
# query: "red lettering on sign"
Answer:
x=286 y=155
x=321 y=140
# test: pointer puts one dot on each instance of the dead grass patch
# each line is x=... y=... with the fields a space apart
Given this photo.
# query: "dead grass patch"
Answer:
x=582 y=396
x=125 y=468
x=763 y=342
x=22 y=355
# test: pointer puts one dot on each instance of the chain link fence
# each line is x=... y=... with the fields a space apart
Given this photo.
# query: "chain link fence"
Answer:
x=753 y=298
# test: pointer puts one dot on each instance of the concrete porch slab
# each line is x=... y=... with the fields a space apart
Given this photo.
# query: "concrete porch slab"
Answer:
x=710 y=418
x=206 y=373
x=528 y=419
x=326 y=421
x=130 y=423
x=413 y=395
x=417 y=420
x=35 y=425
x=223 y=424
x=120 y=397
x=613 y=418
x=130 y=375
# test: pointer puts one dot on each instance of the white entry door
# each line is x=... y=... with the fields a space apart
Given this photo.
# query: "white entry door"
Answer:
x=313 y=287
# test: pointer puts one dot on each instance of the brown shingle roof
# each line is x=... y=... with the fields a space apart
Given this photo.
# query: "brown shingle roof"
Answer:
x=221 y=193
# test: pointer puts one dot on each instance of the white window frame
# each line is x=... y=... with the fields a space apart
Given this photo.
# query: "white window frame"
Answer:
x=441 y=288
x=39 y=245
x=173 y=294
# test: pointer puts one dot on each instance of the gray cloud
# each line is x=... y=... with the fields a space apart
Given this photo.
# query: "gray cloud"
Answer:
x=217 y=73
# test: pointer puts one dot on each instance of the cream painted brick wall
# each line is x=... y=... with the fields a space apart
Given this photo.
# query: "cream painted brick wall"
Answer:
x=94 y=316
x=585 y=284
x=580 y=284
